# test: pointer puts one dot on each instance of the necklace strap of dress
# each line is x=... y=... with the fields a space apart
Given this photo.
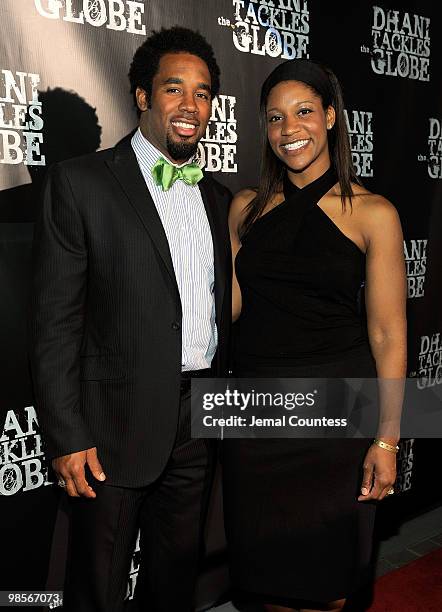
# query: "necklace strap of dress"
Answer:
x=314 y=191
x=301 y=200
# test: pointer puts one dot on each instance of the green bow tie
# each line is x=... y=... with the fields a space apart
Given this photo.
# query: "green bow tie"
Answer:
x=165 y=174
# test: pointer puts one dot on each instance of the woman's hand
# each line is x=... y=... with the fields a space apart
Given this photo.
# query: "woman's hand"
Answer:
x=379 y=473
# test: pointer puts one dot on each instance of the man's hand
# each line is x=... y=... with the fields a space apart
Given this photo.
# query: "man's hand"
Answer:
x=70 y=468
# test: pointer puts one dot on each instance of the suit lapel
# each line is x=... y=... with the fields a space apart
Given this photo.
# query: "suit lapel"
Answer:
x=219 y=243
x=125 y=168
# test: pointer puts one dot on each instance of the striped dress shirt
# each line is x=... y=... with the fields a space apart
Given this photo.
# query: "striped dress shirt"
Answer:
x=182 y=213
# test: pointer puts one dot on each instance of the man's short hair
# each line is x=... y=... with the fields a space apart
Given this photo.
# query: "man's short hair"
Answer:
x=147 y=57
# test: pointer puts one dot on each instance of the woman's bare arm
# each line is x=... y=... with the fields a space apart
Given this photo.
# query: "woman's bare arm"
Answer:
x=385 y=296
x=236 y=217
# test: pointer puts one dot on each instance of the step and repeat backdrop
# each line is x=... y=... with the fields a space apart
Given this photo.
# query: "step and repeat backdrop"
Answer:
x=64 y=92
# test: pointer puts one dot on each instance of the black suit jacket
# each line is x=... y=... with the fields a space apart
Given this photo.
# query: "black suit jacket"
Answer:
x=105 y=322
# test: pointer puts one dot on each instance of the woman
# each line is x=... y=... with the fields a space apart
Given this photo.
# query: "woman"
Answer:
x=299 y=513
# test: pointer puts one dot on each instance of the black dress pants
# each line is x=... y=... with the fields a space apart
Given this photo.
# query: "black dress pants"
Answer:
x=170 y=514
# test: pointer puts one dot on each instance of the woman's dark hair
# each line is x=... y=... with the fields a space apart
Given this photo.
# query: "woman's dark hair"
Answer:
x=323 y=82
x=147 y=57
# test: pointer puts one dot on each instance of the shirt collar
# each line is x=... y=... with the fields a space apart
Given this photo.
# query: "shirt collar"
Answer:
x=147 y=154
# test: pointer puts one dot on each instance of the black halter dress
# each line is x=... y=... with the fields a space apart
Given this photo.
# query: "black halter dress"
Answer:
x=294 y=527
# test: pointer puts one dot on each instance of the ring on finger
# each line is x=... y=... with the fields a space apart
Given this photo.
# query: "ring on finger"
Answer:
x=390 y=491
x=61 y=483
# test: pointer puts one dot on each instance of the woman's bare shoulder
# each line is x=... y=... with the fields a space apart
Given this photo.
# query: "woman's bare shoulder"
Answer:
x=244 y=196
x=240 y=202
x=374 y=209
x=371 y=202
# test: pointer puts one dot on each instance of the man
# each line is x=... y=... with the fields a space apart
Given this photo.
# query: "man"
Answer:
x=131 y=300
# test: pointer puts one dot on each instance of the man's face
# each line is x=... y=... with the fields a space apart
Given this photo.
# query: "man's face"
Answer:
x=176 y=116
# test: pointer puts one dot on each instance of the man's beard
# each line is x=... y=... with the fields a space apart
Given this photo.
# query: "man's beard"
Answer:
x=181 y=151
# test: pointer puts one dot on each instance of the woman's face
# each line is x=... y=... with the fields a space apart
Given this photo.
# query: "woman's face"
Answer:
x=297 y=128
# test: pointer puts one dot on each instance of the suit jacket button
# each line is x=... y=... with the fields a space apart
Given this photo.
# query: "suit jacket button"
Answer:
x=176 y=326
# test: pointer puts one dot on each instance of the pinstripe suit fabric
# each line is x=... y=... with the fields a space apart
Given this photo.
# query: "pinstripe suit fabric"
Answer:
x=182 y=213
x=106 y=316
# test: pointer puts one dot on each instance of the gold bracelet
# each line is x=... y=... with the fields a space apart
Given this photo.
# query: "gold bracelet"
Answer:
x=385 y=446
